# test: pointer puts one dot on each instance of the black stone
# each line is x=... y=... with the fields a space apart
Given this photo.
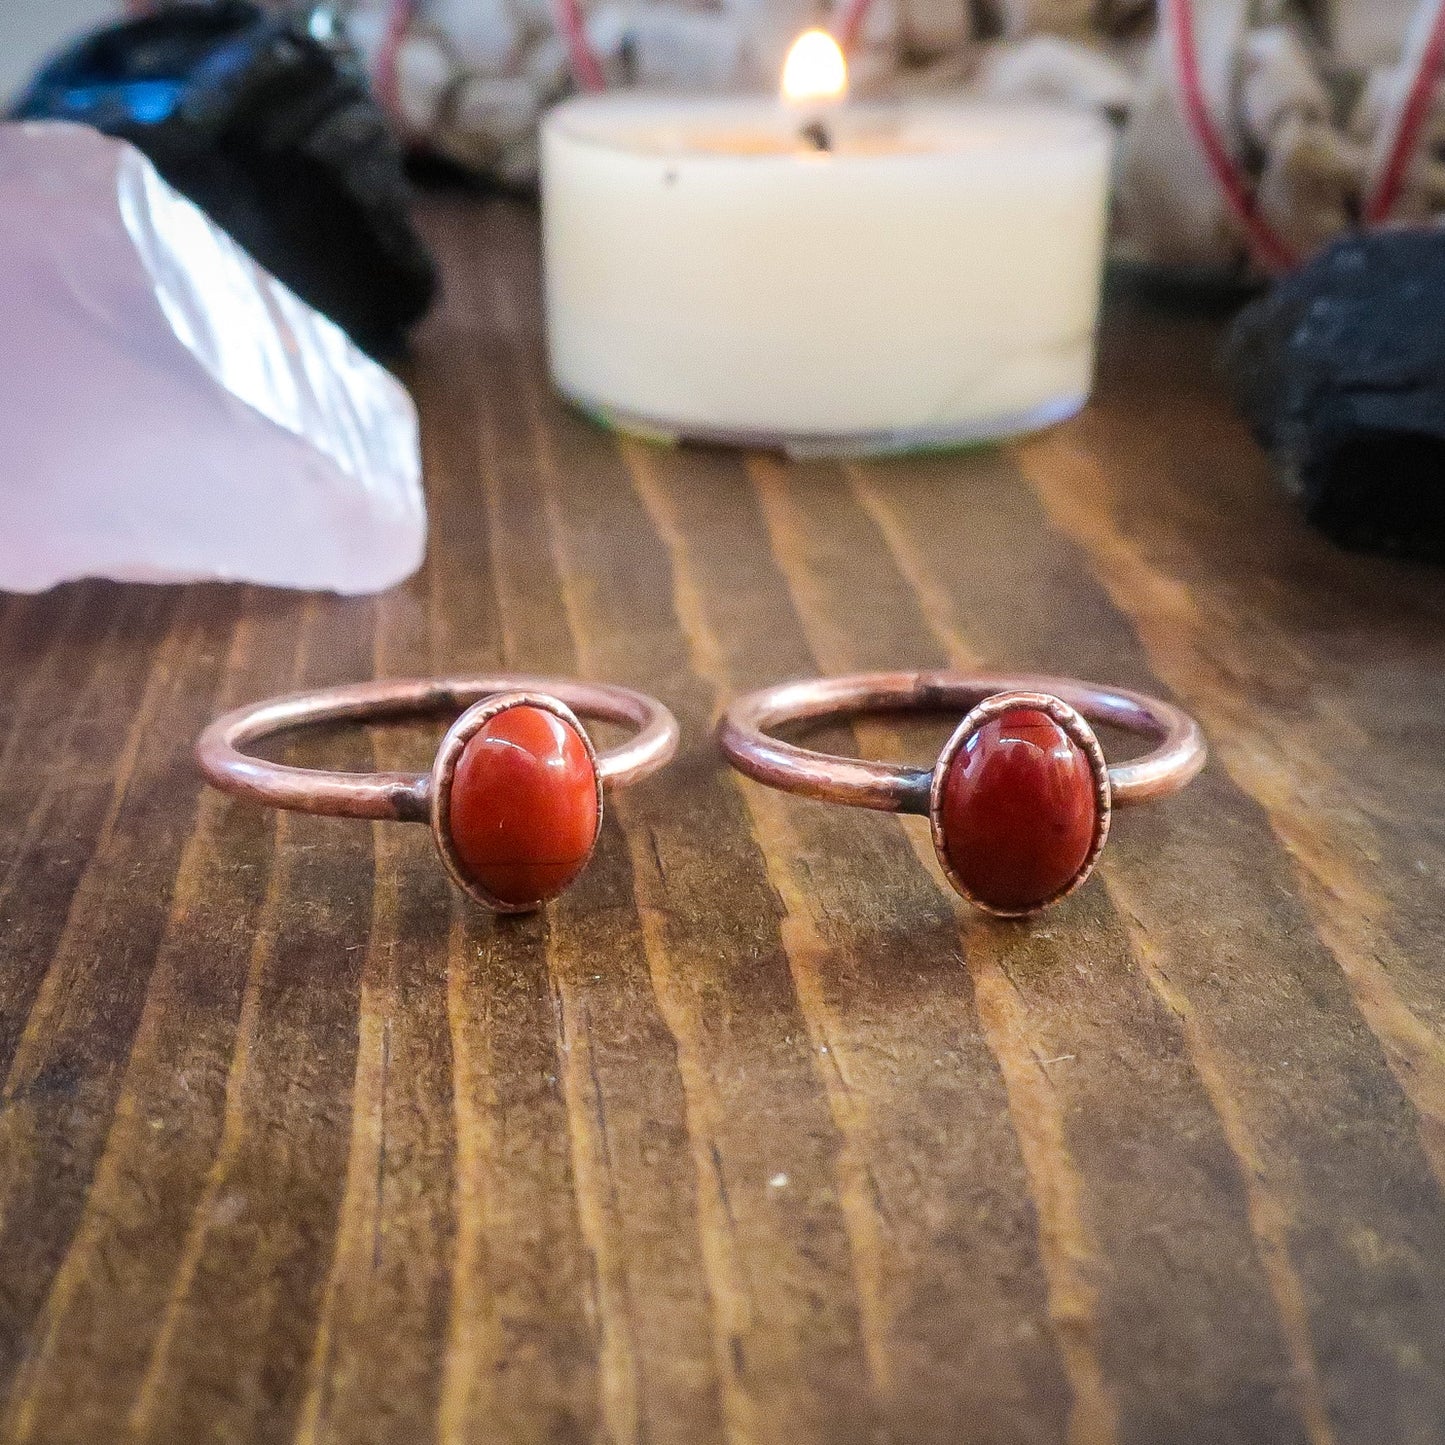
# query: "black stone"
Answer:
x=275 y=136
x=1340 y=370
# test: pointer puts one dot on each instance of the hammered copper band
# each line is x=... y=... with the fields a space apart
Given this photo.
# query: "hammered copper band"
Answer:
x=898 y=788
x=406 y=797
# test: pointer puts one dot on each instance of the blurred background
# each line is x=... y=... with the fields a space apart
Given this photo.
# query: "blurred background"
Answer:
x=1249 y=138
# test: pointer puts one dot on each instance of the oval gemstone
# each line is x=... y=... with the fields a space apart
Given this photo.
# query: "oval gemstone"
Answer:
x=523 y=814
x=1018 y=811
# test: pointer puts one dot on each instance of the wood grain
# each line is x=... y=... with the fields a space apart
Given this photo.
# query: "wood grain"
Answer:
x=758 y=1135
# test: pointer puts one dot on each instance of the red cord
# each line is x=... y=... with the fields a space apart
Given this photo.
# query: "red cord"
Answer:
x=1268 y=246
x=586 y=68
x=851 y=29
x=1412 y=115
x=398 y=19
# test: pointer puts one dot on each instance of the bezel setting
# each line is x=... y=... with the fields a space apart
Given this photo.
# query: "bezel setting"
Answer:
x=443 y=772
x=1079 y=732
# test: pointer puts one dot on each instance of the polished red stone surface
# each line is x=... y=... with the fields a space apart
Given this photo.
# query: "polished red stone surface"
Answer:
x=523 y=810
x=1018 y=810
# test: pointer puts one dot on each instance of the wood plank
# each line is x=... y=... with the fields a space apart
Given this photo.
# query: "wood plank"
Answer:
x=956 y=1333
x=1105 y=1165
x=787 y=1325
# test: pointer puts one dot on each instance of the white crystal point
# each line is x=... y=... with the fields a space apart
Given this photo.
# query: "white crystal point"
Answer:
x=168 y=410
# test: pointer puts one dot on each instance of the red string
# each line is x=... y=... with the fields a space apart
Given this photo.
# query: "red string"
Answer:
x=398 y=19
x=586 y=68
x=851 y=30
x=1411 y=120
x=1270 y=248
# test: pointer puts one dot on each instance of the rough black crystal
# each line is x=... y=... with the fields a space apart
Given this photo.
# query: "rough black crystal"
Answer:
x=1340 y=370
x=274 y=135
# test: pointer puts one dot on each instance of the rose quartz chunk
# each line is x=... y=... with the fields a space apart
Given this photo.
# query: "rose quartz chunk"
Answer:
x=168 y=410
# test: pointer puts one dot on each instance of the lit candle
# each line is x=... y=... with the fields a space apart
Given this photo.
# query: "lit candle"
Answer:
x=820 y=276
x=815 y=80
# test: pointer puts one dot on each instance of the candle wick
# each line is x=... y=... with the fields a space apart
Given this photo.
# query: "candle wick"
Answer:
x=816 y=134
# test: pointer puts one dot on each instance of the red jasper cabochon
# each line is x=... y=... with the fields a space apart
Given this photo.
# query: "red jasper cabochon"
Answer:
x=523 y=811
x=1018 y=811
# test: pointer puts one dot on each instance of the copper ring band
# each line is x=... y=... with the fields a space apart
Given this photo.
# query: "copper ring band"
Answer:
x=898 y=788
x=1008 y=882
x=407 y=797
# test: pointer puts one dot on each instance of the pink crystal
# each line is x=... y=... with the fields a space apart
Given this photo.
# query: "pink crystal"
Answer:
x=168 y=410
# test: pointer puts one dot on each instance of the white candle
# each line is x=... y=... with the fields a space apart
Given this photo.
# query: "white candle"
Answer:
x=933 y=278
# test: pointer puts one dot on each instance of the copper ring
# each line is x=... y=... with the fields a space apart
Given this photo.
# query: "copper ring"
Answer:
x=1179 y=754
x=425 y=797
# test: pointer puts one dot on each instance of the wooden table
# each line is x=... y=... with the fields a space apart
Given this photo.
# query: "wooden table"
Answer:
x=759 y=1134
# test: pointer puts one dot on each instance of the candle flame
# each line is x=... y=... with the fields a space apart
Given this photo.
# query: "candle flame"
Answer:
x=815 y=68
